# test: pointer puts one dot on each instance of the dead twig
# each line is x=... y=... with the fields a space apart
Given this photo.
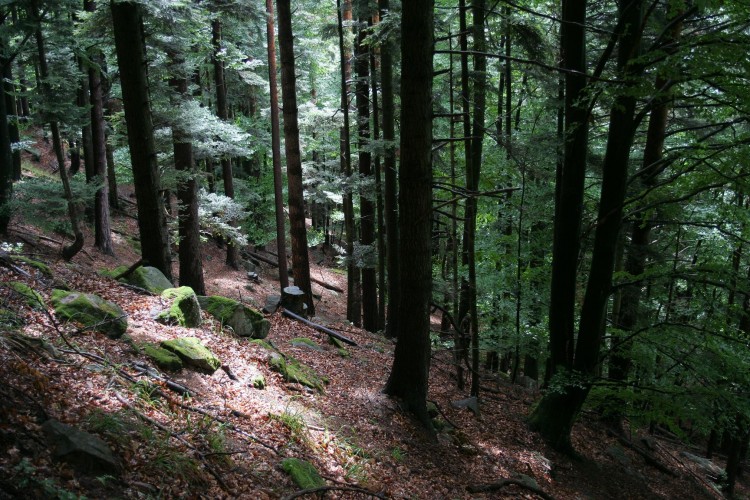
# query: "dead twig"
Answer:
x=321 y=489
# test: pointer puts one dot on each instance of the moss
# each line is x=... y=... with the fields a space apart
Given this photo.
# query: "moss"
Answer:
x=344 y=353
x=39 y=266
x=9 y=320
x=294 y=371
x=303 y=473
x=146 y=277
x=264 y=344
x=305 y=342
x=91 y=311
x=245 y=321
x=184 y=311
x=193 y=353
x=162 y=358
x=336 y=342
x=31 y=297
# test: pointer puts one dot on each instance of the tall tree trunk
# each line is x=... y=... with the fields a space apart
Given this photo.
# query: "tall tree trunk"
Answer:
x=378 y=189
x=222 y=111
x=102 y=231
x=276 y=149
x=300 y=258
x=10 y=106
x=411 y=364
x=366 y=206
x=6 y=166
x=188 y=226
x=556 y=413
x=390 y=182
x=127 y=21
x=71 y=250
x=353 y=292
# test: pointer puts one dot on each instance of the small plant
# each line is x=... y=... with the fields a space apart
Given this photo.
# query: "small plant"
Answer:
x=398 y=454
x=26 y=481
x=294 y=423
x=175 y=463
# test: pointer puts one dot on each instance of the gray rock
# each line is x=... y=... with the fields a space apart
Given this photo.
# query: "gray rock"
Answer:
x=185 y=309
x=85 y=452
x=91 y=311
x=272 y=303
x=149 y=278
x=193 y=353
x=245 y=321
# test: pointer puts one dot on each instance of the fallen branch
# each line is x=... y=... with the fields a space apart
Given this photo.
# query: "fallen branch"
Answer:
x=483 y=488
x=318 y=327
x=325 y=285
x=179 y=389
x=262 y=259
x=321 y=489
x=648 y=457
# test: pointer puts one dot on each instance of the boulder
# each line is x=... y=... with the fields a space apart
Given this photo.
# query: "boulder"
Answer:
x=85 y=452
x=164 y=359
x=303 y=473
x=91 y=311
x=146 y=277
x=193 y=353
x=306 y=343
x=38 y=265
x=294 y=371
x=244 y=321
x=185 y=309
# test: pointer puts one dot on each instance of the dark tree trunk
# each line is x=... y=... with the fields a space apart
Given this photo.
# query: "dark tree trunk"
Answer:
x=411 y=365
x=127 y=20
x=102 y=231
x=10 y=106
x=366 y=206
x=278 y=181
x=378 y=190
x=300 y=258
x=6 y=166
x=222 y=111
x=353 y=292
x=390 y=182
x=71 y=250
x=191 y=259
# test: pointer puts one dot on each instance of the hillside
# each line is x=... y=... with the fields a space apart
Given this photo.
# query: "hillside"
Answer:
x=228 y=436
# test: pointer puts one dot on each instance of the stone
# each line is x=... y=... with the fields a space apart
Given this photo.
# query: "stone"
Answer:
x=272 y=303
x=306 y=343
x=294 y=371
x=244 y=321
x=91 y=311
x=146 y=277
x=39 y=266
x=193 y=353
x=185 y=309
x=258 y=381
x=303 y=473
x=164 y=359
x=471 y=403
x=85 y=452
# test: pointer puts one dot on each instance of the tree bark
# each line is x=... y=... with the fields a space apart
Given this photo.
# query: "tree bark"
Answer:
x=300 y=258
x=127 y=20
x=102 y=230
x=222 y=111
x=276 y=149
x=390 y=180
x=6 y=166
x=411 y=365
x=366 y=206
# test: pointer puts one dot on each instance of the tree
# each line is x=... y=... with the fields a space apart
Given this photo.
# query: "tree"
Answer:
x=102 y=231
x=411 y=364
x=127 y=19
x=300 y=258
x=276 y=149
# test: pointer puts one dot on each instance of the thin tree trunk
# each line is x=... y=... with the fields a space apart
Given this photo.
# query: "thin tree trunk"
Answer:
x=353 y=292
x=300 y=258
x=378 y=190
x=366 y=206
x=102 y=230
x=222 y=111
x=276 y=149
x=71 y=250
x=390 y=183
x=6 y=166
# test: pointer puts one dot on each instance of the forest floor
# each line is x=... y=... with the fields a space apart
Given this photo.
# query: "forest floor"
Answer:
x=228 y=439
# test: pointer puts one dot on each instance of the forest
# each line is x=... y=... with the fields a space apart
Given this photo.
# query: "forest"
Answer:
x=511 y=195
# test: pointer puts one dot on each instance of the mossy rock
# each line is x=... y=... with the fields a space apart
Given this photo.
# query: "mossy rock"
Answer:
x=193 y=353
x=336 y=342
x=31 y=297
x=258 y=381
x=164 y=359
x=184 y=311
x=91 y=311
x=344 y=353
x=264 y=344
x=245 y=322
x=294 y=371
x=303 y=473
x=305 y=342
x=146 y=277
x=39 y=266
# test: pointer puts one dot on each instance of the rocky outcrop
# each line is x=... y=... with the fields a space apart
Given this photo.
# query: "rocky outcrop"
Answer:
x=245 y=322
x=85 y=452
x=185 y=309
x=193 y=353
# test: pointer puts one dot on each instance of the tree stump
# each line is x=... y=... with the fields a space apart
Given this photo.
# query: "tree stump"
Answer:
x=293 y=299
